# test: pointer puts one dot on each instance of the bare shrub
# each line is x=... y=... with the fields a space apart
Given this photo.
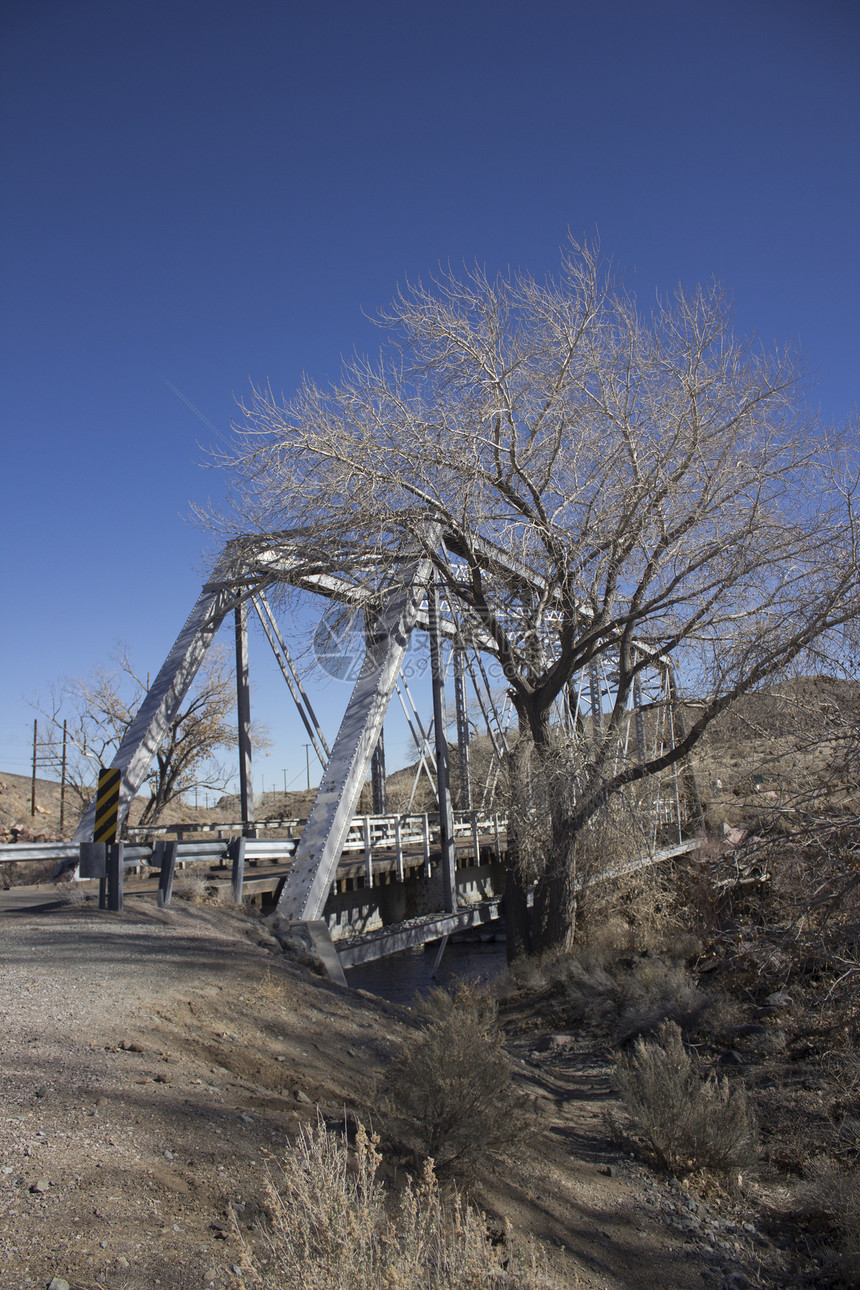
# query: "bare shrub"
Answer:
x=330 y=1228
x=525 y=975
x=593 y=990
x=689 y=1122
x=608 y=938
x=449 y=1095
x=190 y=887
x=655 y=992
x=625 y=993
x=72 y=894
x=830 y=1200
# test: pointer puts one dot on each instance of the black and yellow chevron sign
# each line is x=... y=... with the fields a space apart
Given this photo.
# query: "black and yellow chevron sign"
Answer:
x=107 y=806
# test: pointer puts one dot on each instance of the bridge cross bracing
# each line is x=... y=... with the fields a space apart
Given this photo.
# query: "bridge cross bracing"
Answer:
x=397 y=595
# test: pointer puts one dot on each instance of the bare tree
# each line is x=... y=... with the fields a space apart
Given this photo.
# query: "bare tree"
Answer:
x=664 y=485
x=99 y=709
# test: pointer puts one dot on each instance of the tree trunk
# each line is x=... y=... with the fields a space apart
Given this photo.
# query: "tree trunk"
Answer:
x=517 y=929
x=554 y=917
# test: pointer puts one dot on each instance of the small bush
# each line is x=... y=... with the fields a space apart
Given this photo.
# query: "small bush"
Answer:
x=72 y=894
x=630 y=995
x=831 y=1200
x=449 y=1096
x=656 y=992
x=689 y=1122
x=191 y=887
x=330 y=1228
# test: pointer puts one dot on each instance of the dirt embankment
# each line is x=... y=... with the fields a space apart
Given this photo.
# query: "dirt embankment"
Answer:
x=156 y=1064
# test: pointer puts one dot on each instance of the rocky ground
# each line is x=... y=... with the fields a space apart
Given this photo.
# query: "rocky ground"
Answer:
x=156 y=1064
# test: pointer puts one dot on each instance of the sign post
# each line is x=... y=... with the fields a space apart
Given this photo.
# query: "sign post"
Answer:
x=104 y=832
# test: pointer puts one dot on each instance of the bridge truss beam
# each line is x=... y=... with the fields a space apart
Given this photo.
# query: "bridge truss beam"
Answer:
x=397 y=595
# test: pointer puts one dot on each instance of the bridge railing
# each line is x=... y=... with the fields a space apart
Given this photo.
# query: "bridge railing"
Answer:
x=408 y=834
x=400 y=835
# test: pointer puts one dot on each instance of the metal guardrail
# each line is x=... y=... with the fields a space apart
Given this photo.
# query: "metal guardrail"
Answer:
x=402 y=838
x=392 y=834
x=15 y=852
x=379 y=832
x=232 y=828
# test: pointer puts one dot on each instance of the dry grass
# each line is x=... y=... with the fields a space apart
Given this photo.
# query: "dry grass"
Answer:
x=73 y=894
x=190 y=887
x=619 y=991
x=656 y=991
x=830 y=1202
x=272 y=988
x=449 y=1096
x=689 y=1122
x=332 y=1227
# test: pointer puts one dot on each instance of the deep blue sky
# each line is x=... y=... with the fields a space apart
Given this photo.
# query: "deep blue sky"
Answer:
x=205 y=194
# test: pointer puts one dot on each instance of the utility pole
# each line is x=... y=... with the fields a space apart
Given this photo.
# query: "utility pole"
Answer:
x=33 y=781
x=308 y=762
x=63 y=786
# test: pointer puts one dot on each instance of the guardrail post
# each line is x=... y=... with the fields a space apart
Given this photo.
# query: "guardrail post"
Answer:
x=237 y=850
x=368 y=852
x=115 y=874
x=168 y=867
x=93 y=864
x=425 y=833
x=93 y=861
x=398 y=848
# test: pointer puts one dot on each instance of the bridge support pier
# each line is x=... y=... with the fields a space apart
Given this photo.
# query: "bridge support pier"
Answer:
x=316 y=937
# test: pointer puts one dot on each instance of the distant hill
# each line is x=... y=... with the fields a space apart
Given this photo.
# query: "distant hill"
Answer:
x=784 y=740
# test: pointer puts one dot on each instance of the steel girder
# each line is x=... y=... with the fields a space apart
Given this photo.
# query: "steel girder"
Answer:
x=397 y=606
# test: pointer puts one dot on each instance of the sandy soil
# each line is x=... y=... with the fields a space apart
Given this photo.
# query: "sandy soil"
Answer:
x=156 y=1061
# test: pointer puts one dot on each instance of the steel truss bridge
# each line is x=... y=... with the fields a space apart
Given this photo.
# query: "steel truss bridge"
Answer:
x=398 y=600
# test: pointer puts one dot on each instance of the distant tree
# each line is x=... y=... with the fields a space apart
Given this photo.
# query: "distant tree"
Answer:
x=99 y=709
x=664 y=481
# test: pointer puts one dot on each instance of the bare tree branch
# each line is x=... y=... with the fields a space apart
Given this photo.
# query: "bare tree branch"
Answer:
x=664 y=483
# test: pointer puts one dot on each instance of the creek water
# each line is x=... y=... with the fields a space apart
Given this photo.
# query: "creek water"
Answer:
x=399 y=977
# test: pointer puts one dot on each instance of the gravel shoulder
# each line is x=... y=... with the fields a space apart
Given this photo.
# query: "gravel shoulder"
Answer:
x=155 y=1064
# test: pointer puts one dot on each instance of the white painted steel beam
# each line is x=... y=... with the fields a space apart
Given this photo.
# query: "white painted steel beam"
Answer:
x=443 y=779
x=307 y=886
x=243 y=712
x=164 y=698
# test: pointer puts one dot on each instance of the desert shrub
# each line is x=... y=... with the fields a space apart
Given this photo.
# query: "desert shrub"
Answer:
x=630 y=994
x=191 y=887
x=607 y=939
x=593 y=990
x=330 y=1228
x=654 y=992
x=830 y=1200
x=449 y=1096
x=74 y=895
x=689 y=1122
x=526 y=975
